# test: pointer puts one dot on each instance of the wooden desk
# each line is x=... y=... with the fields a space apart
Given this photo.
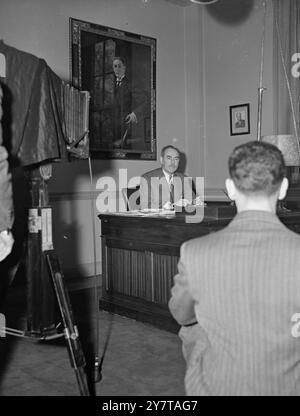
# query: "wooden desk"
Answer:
x=140 y=256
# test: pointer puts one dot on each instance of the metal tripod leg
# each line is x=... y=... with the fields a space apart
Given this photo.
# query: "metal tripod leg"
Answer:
x=75 y=351
x=81 y=381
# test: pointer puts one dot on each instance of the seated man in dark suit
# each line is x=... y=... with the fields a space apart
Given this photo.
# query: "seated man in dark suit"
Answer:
x=165 y=186
x=237 y=291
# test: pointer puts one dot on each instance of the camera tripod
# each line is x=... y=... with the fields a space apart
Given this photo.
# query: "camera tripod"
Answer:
x=70 y=331
x=46 y=291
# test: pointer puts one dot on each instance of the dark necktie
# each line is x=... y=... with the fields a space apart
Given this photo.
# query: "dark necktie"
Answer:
x=171 y=189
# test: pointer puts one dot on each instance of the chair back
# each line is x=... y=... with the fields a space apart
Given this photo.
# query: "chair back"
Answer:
x=132 y=198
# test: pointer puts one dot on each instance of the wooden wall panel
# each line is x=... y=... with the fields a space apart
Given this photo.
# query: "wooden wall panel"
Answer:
x=164 y=269
x=129 y=273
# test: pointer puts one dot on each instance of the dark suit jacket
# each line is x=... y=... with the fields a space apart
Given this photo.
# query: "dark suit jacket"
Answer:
x=242 y=285
x=155 y=191
x=122 y=100
x=126 y=100
x=240 y=123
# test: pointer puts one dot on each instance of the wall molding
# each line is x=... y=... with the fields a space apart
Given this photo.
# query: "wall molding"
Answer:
x=90 y=282
x=73 y=196
x=83 y=270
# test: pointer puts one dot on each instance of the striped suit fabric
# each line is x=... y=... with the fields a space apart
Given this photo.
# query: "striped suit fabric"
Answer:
x=242 y=286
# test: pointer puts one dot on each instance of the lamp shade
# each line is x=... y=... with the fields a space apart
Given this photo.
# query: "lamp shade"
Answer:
x=288 y=145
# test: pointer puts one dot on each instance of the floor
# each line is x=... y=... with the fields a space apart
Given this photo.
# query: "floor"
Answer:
x=136 y=359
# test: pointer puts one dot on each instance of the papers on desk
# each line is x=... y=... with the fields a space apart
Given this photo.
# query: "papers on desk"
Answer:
x=153 y=212
x=147 y=213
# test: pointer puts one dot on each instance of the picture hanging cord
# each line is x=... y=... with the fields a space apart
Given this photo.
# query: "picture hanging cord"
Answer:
x=261 y=89
x=262 y=46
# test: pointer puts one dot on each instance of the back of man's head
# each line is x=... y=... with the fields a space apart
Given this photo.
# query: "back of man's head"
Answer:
x=257 y=168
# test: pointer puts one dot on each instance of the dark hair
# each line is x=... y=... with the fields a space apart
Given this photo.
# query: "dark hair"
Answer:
x=169 y=146
x=257 y=168
x=120 y=58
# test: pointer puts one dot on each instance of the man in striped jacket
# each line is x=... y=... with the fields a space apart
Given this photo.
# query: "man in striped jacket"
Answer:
x=237 y=291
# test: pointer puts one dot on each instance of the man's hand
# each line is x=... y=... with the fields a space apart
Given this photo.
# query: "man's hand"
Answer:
x=182 y=202
x=130 y=118
x=168 y=205
x=6 y=244
x=198 y=201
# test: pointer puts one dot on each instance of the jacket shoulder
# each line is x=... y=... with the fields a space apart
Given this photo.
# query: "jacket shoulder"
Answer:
x=205 y=240
x=153 y=173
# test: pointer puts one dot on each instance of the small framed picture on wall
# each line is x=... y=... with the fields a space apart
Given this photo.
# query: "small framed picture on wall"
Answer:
x=239 y=119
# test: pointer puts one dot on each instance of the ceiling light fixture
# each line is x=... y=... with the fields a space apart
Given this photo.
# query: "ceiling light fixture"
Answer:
x=204 y=2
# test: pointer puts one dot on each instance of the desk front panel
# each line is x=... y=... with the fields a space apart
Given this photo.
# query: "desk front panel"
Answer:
x=140 y=257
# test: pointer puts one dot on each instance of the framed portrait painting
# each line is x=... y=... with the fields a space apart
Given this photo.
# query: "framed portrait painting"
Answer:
x=118 y=68
x=239 y=119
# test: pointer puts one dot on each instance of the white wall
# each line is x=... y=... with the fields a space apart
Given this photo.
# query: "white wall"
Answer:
x=231 y=69
x=194 y=93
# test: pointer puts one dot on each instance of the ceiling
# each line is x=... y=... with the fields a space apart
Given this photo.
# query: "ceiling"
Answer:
x=184 y=3
x=230 y=12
